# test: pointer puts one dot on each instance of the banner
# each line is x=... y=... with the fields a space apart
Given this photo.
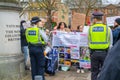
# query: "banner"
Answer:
x=72 y=46
x=83 y=39
x=66 y=39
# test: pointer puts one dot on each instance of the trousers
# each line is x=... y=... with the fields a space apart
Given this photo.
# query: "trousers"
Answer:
x=37 y=60
x=97 y=60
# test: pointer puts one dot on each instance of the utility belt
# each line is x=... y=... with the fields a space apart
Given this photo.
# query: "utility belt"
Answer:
x=36 y=45
x=98 y=50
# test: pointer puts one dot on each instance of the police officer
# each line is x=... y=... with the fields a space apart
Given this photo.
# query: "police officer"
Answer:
x=100 y=39
x=37 y=40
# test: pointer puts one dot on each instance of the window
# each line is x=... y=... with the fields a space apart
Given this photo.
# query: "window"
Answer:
x=110 y=11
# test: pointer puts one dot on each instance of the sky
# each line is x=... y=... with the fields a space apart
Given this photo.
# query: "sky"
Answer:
x=111 y=1
x=104 y=1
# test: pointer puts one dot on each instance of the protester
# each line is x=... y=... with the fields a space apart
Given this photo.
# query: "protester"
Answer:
x=79 y=69
x=37 y=40
x=24 y=44
x=43 y=20
x=116 y=30
x=80 y=28
x=100 y=40
x=62 y=26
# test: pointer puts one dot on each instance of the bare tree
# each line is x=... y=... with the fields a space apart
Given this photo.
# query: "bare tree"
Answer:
x=47 y=6
x=83 y=6
x=75 y=4
x=90 y=4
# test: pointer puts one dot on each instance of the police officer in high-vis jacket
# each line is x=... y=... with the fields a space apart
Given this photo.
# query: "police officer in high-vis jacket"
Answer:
x=100 y=40
x=37 y=40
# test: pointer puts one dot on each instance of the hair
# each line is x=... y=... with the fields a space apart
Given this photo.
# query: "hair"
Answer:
x=61 y=24
x=98 y=17
x=78 y=27
x=21 y=24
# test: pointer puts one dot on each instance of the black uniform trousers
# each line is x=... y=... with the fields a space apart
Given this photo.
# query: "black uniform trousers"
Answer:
x=37 y=60
x=97 y=60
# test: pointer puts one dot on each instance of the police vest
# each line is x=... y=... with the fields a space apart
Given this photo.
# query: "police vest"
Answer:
x=99 y=36
x=33 y=36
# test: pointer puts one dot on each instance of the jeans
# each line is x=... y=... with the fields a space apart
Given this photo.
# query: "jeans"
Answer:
x=25 y=52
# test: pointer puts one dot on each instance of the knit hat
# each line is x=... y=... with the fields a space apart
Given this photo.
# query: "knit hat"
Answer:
x=35 y=20
x=117 y=21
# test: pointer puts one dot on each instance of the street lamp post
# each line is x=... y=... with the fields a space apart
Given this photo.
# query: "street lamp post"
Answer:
x=11 y=58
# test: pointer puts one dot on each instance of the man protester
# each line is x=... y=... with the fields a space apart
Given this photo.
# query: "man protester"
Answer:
x=100 y=40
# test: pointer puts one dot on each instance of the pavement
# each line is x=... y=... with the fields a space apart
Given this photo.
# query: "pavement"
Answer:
x=65 y=75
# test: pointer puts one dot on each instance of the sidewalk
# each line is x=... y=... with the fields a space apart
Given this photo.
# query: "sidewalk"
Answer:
x=68 y=75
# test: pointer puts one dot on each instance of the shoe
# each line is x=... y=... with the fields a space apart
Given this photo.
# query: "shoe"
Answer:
x=45 y=74
x=27 y=68
x=78 y=71
x=82 y=71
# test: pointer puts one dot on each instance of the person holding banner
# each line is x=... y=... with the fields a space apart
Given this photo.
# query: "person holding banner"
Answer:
x=99 y=41
x=62 y=27
x=79 y=69
x=80 y=28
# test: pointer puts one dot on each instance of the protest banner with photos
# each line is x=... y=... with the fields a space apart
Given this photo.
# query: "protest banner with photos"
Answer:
x=72 y=46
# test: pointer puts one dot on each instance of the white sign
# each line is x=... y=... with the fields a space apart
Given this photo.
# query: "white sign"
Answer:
x=111 y=20
x=85 y=29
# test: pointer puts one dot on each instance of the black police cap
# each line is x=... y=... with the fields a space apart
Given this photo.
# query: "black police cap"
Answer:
x=34 y=20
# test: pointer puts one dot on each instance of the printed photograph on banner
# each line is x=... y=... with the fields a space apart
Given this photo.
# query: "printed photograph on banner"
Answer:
x=67 y=53
x=64 y=55
x=75 y=52
x=61 y=49
x=85 y=58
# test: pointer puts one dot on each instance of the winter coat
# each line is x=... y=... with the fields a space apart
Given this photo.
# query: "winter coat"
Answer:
x=115 y=33
x=111 y=66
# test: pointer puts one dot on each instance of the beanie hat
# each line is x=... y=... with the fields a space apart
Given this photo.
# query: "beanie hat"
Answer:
x=35 y=20
x=117 y=21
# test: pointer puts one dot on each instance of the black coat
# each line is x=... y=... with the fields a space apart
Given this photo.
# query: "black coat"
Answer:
x=111 y=67
x=23 y=37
